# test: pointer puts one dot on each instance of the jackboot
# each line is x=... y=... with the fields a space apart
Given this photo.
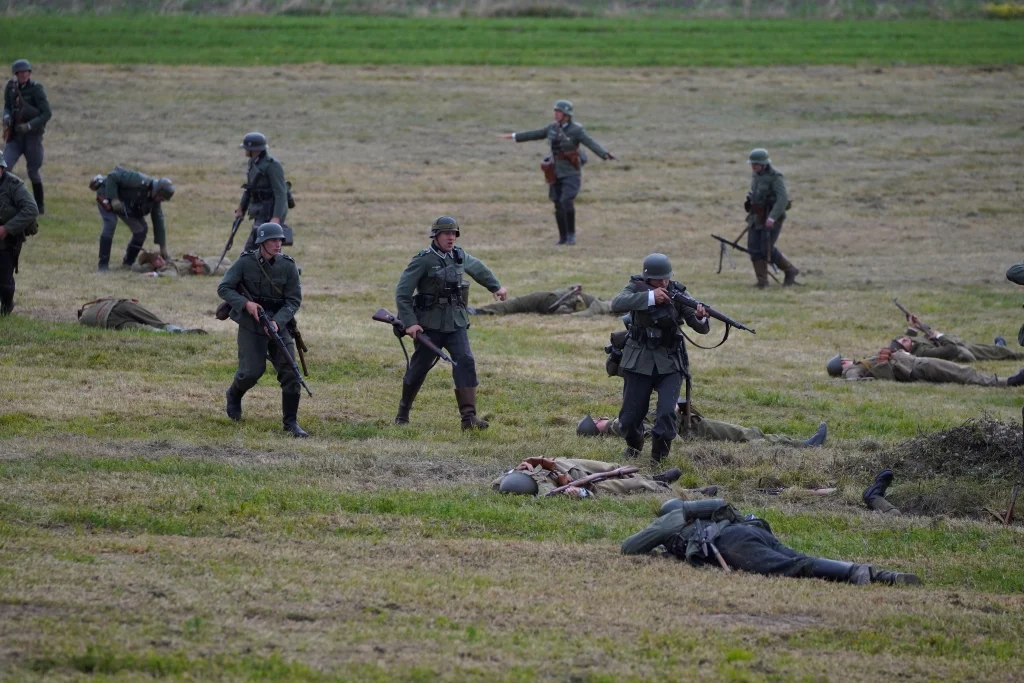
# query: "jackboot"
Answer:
x=130 y=254
x=6 y=301
x=290 y=410
x=233 y=405
x=634 y=445
x=409 y=392
x=818 y=437
x=105 y=245
x=999 y=341
x=660 y=449
x=874 y=495
x=37 y=192
x=1018 y=379
x=466 y=398
x=788 y=268
x=834 y=570
x=570 y=227
x=668 y=476
x=895 y=578
x=560 y=219
x=761 y=271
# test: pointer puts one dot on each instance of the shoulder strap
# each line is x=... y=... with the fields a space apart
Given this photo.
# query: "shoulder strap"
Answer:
x=267 y=275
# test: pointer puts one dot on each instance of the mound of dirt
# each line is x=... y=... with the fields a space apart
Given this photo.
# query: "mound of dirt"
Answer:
x=980 y=448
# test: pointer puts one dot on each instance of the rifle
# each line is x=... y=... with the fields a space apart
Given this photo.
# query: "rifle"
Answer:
x=574 y=290
x=924 y=328
x=814 y=492
x=16 y=113
x=231 y=239
x=398 y=327
x=594 y=478
x=687 y=302
x=724 y=252
x=266 y=322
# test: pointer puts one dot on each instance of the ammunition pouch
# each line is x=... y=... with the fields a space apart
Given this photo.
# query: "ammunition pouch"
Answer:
x=547 y=166
x=450 y=296
x=572 y=156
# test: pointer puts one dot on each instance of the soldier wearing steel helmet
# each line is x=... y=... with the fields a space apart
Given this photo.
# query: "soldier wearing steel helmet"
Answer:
x=654 y=356
x=265 y=194
x=766 y=206
x=537 y=476
x=18 y=213
x=130 y=196
x=565 y=137
x=26 y=111
x=431 y=298
x=272 y=280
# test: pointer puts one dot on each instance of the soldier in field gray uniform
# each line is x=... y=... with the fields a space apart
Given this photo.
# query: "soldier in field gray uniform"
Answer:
x=26 y=111
x=18 y=212
x=766 y=206
x=130 y=196
x=564 y=171
x=266 y=195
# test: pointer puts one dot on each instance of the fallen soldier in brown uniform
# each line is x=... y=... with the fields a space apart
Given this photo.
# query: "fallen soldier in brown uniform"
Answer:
x=935 y=344
x=570 y=301
x=900 y=366
x=537 y=476
x=153 y=264
x=126 y=314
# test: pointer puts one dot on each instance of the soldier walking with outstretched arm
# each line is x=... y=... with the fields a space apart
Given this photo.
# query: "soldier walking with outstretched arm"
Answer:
x=564 y=168
x=431 y=297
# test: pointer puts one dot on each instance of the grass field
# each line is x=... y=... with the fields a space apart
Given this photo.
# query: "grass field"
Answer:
x=621 y=42
x=142 y=534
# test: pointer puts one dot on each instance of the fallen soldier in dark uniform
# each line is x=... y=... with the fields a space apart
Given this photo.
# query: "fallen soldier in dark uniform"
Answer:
x=714 y=532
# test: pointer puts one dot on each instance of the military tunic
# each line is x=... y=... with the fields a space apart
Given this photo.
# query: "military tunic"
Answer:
x=18 y=212
x=768 y=190
x=541 y=303
x=431 y=293
x=653 y=359
x=130 y=194
x=274 y=285
x=903 y=367
x=576 y=469
x=35 y=111
x=265 y=194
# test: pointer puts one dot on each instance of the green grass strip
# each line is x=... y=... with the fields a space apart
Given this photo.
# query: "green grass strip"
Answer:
x=251 y=41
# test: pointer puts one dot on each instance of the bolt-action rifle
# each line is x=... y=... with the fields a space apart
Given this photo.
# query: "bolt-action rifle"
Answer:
x=231 y=239
x=267 y=324
x=724 y=252
x=398 y=327
x=573 y=291
x=594 y=478
x=924 y=328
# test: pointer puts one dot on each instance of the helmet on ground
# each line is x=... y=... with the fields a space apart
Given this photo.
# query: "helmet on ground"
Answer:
x=254 y=141
x=670 y=505
x=164 y=187
x=564 y=106
x=835 y=366
x=759 y=156
x=269 y=231
x=444 y=224
x=587 y=427
x=518 y=482
x=21 y=65
x=657 y=267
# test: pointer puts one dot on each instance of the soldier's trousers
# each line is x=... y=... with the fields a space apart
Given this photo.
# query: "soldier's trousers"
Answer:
x=761 y=241
x=714 y=430
x=633 y=483
x=138 y=226
x=29 y=146
x=535 y=302
x=457 y=345
x=753 y=549
x=563 y=192
x=993 y=352
x=253 y=348
x=938 y=370
x=636 y=401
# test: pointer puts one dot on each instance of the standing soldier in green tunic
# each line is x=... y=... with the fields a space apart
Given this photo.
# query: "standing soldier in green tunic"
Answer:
x=766 y=206
x=654 y=356
x=18 y=213
x=563 y=170
x=131 y=196
x=272 y=281
x=431 y=298
x=26 y=112
x=265 y=194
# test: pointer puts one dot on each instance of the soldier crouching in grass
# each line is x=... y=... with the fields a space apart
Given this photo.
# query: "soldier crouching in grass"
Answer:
x=271 y=279
x=715 y=533
x=431 y=297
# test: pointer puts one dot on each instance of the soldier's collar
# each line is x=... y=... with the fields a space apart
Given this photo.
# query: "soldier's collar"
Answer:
x=443 y=255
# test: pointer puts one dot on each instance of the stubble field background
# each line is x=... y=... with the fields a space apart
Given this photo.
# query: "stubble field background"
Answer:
x=142 y=533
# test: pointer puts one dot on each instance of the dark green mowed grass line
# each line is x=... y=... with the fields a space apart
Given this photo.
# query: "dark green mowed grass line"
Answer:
x=240 y=41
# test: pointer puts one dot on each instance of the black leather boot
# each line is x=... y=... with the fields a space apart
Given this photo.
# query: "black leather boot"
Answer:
x=466 y=398
x=37 y=192
x=409 y=392
x=105 y=245
x=660 y=449
x=668 y=476
x=233 y=405
x=895 y=578
x=130 y=254
x=6 y=301
x=560 y=219
x=290 y=409
x=818 y=437
x=570 y=227
x=848 y=572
